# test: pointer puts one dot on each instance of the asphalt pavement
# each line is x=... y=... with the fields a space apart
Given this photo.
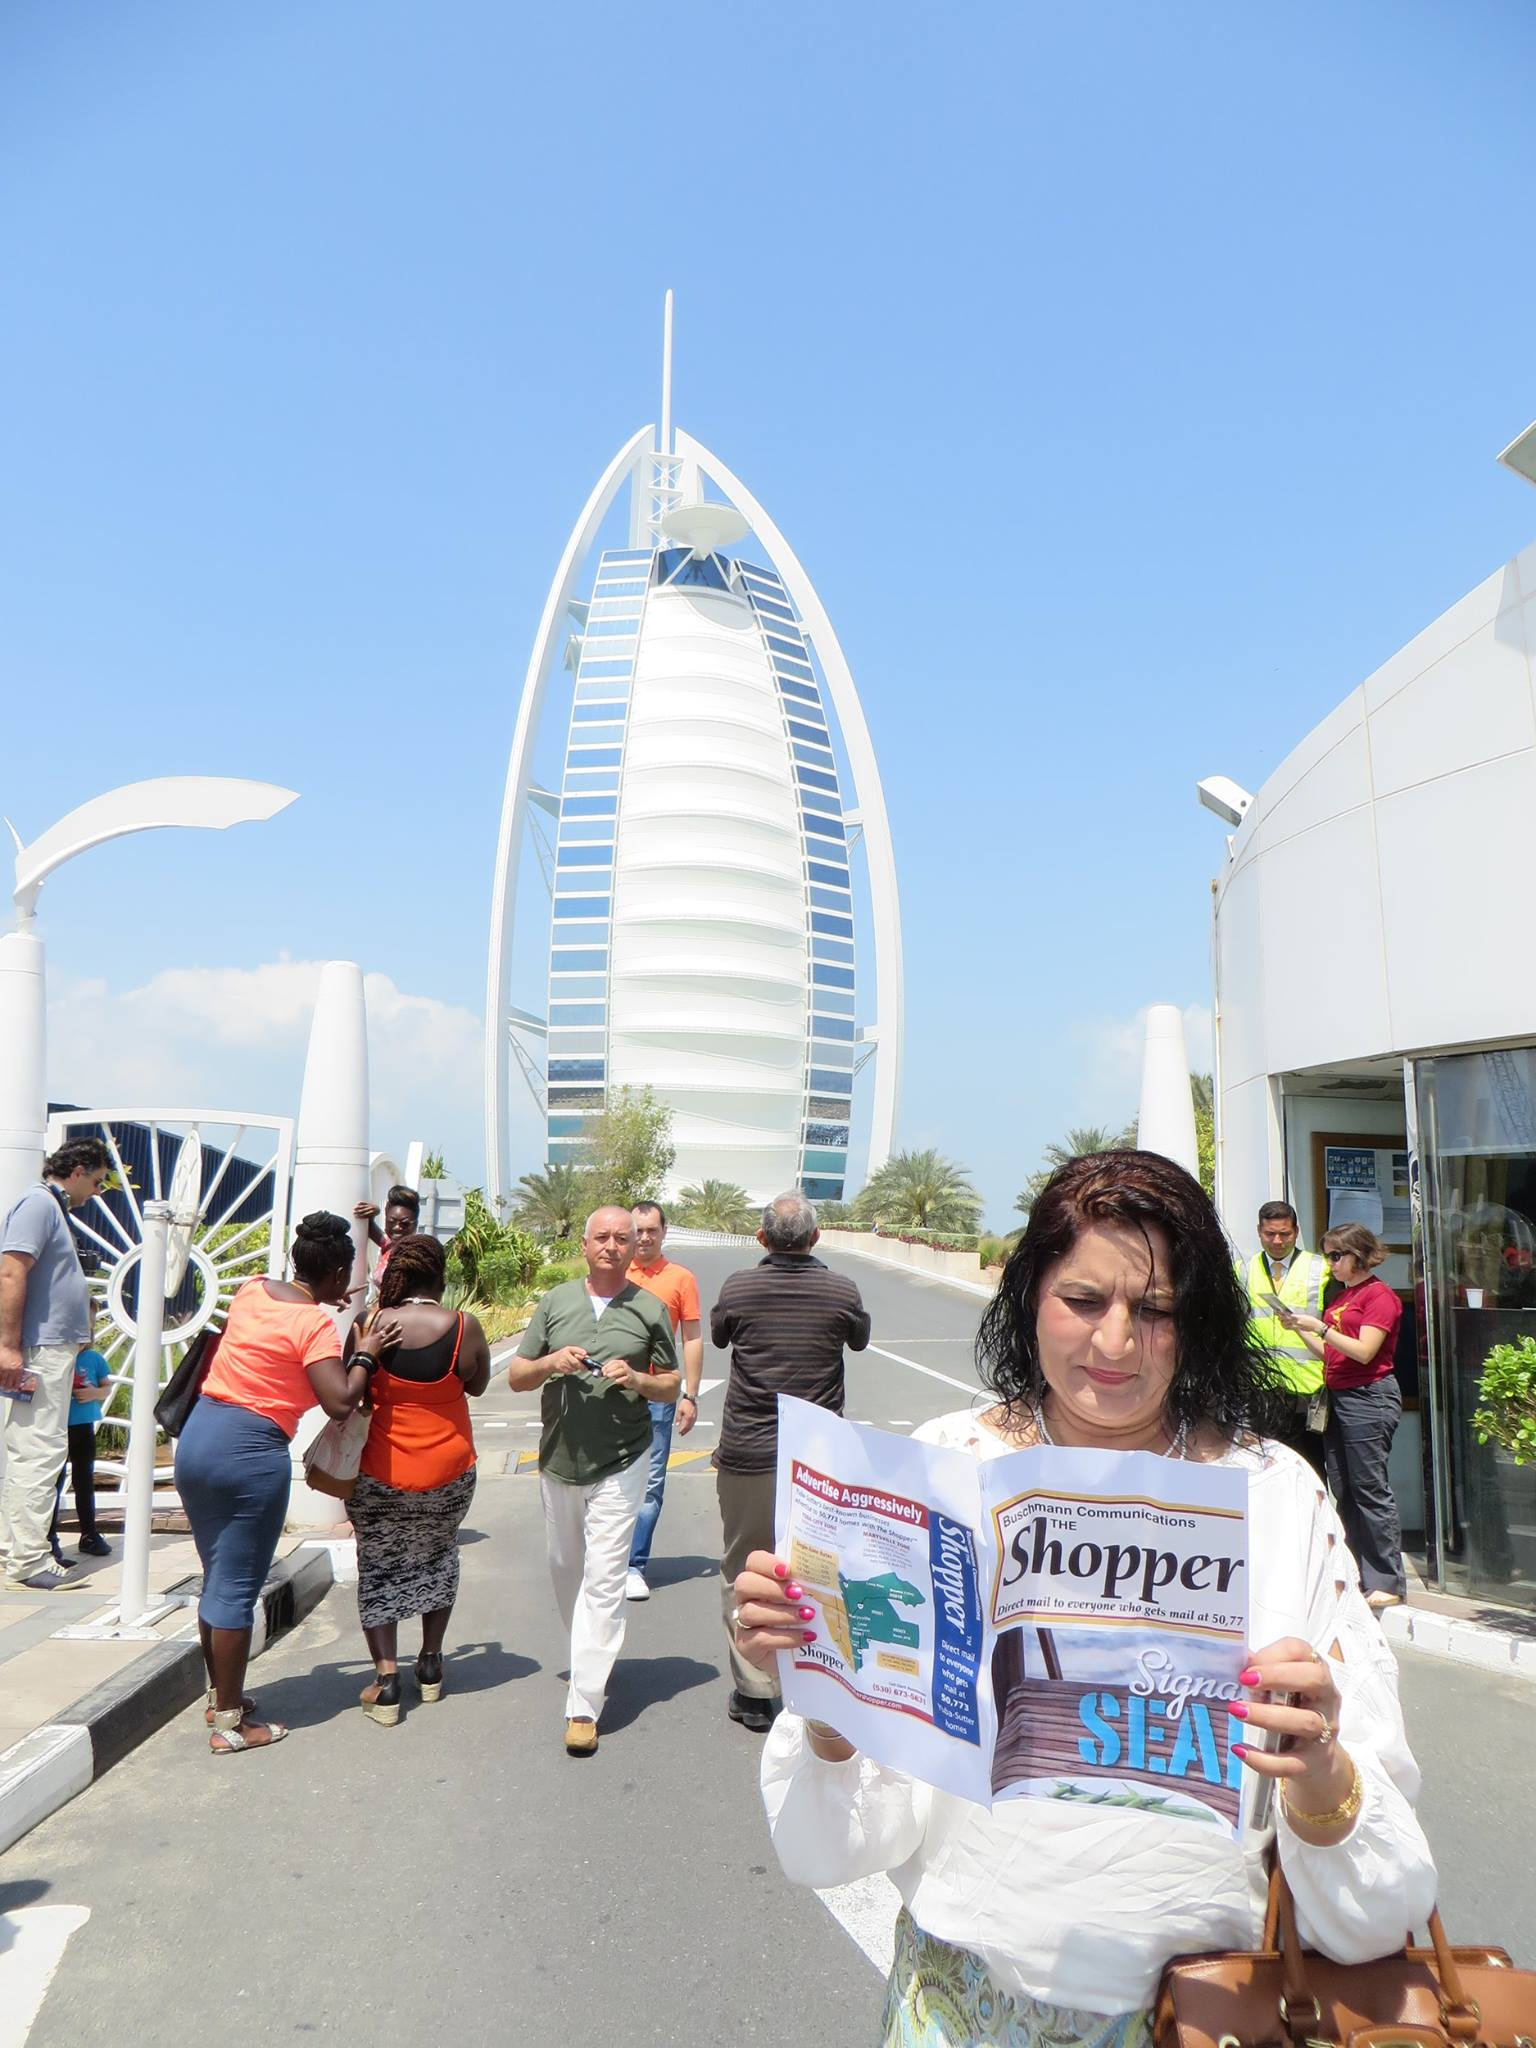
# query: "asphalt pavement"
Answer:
x=458 y=1878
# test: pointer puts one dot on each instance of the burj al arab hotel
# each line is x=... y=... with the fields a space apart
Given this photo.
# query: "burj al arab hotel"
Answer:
x=719 y=790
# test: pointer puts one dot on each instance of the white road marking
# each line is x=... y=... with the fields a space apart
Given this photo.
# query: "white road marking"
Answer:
x=932 y=1372
x=709 y=1386
x=866 y=1911
x=32 y=1942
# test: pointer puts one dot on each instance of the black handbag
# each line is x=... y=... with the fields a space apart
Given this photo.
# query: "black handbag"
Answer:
x=178 y=1397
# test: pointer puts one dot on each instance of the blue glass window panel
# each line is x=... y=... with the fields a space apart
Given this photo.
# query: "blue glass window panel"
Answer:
x=831 y=1027
x=828 y=1105
x=595 y=834
x=605 y=605
x=573 y=988
x=583 y=906
x=567 y=1044
x=608 y=668
x=829 y=828
x=584 y=857
x=581 y=1013
x=575 y=1070
x=566 y=1151
x=612 y=629
x=793 y=676
x=613 y=556
x=581 y=935
x=813 y=757
x=567 y=1126
x=781 y=643
x=831 y=977
x=834 y=927
x=822 y=871
x=827 y=1134
x=599 y=714
x=790 y=686
x=825 y=1162
x=586 y=758
x=823 y=1080
x=580 y=782
x=589 y=807
x=822 y=1190
x=836 y=1002
x=773 y=607
x=579 y=960
x=824 y=805
x=836 y=1058
x=677 y=566
x=616 y=589
x=815 y=778
x=611 y=692
x=832 y=899
x=817 y=734
x=831 y=949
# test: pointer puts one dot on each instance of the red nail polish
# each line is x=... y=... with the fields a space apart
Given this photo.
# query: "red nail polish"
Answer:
x=1251 y=1676
x=781 y=1571
x=1237 y=1710
x=809 y=1636
x=794 y=1592
x=1240 y=1749
x=807 y=1614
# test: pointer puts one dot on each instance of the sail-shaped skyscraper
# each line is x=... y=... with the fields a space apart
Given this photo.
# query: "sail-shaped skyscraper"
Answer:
x=701 y=846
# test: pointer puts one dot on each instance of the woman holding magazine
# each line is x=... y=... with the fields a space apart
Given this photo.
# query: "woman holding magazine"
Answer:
x=1120 y=1325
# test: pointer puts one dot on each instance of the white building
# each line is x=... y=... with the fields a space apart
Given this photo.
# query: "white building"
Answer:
x=702 y=933
x=1375 y=996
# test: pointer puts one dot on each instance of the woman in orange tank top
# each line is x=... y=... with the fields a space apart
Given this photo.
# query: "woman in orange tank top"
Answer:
x=418 y=1473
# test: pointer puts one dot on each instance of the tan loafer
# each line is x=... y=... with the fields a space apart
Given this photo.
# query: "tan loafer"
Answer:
x=581 y=1738
x=1378 y=1602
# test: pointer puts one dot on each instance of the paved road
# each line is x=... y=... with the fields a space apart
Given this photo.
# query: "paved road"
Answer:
x=457 y=1878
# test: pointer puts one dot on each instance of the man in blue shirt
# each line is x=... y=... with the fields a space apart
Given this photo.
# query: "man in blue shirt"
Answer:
x=44 y=1320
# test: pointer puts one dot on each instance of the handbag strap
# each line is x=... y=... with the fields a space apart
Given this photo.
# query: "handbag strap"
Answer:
x=1300 y=2012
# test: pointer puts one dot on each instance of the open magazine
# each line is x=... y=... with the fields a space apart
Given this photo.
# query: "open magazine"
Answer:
x=1052 y=1624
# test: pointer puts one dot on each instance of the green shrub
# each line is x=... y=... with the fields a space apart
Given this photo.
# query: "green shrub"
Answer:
x=1506 y=1414
x=556 y=1271
x=508 y=1269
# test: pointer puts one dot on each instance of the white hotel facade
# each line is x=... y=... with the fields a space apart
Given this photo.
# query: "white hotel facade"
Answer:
x=704 y=940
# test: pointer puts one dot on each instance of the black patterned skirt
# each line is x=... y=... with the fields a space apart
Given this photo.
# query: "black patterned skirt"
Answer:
x=407 y=1547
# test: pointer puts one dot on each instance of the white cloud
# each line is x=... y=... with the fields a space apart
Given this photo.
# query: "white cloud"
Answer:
x=234 y=1037
x=1116 y=1045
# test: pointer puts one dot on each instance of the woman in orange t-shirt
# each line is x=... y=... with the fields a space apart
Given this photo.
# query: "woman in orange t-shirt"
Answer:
x=418 y=1473
x=279 y=1354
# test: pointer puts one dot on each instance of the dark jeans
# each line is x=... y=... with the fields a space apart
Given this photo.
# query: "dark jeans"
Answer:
x=82 y=1478
x=1308 y=1443
x=1362 y=1422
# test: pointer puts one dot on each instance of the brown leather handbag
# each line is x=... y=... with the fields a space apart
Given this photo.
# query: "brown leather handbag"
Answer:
x=1284 y=1996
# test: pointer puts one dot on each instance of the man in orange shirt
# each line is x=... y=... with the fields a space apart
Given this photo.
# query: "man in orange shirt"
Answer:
x=677 y=1289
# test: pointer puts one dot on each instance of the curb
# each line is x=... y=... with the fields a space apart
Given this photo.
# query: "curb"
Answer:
x=913 y=1272
x=1461 y=1642
x=46 y=1769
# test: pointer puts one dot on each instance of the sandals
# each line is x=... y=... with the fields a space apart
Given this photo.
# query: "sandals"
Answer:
x=429 y=1676
x=247 y=1706
x=233 y=1733
x=381 y=1700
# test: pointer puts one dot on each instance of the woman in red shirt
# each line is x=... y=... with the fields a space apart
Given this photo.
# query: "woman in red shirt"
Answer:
x=1356 y=1338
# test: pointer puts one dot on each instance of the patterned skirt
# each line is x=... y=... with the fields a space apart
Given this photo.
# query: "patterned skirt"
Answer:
x=407 y=1547
x=942 y=1997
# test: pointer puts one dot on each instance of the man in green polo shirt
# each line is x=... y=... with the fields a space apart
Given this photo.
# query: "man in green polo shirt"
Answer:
x=601 y=1350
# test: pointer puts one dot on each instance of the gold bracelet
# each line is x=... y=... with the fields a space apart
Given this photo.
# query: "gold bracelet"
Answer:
x=1336 y=1816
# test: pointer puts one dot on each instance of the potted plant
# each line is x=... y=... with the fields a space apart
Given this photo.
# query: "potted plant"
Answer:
x=1506 y=1411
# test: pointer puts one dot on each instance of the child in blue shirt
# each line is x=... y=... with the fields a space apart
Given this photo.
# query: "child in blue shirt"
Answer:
x=91 y=1374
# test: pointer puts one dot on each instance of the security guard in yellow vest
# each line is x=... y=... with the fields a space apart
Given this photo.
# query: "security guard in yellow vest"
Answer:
x=1300 y=1279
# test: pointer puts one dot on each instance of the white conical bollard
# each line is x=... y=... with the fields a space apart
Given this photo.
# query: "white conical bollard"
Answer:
x=330 y=1169
x=1167 y=1120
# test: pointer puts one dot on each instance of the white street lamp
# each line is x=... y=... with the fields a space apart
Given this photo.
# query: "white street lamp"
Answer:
x=211 y=801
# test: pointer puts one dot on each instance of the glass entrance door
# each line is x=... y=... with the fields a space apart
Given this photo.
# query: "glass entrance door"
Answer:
x=1475 y=1274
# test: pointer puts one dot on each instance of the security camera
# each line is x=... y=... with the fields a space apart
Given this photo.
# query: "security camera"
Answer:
x=1228 y=799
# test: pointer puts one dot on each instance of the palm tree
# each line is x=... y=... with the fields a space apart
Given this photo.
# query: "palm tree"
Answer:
x=920 y=1191
x=1080 y=1142
x=552 y=1204
x=716 y=1205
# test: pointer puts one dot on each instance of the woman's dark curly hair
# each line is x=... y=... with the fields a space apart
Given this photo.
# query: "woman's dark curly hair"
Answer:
x=417 y=1265
x=1223 y=1377
x=321 y=1244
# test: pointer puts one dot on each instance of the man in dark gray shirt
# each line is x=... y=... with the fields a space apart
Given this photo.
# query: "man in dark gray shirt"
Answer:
x=44 y=1320
x=786 y=1321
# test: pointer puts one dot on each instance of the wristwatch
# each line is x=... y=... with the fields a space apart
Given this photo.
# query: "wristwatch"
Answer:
x=686 y=1396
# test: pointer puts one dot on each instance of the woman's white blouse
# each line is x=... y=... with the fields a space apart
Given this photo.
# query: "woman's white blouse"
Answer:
x=1082 y=1907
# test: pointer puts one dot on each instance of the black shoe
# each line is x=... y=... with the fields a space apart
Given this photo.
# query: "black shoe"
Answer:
x=95 y=1545
x=429 y=1675
x=754 y=1714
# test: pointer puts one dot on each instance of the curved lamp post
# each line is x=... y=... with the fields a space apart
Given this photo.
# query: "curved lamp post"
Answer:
x=212 y=801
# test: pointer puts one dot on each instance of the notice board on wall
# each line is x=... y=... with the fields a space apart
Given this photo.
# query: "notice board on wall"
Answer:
x=1362 y=1177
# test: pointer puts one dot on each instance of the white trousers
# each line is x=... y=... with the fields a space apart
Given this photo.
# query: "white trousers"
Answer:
x=36 y=1443
x=589 y=1530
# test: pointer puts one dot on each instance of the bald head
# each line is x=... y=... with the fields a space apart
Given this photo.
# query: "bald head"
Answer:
x=789 y=1224
x=609 y=1243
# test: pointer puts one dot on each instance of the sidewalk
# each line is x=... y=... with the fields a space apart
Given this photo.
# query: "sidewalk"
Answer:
x=1476 y=1632
x=72 y=1705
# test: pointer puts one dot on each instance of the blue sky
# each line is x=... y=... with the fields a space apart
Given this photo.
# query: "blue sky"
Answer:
x=1128 y=378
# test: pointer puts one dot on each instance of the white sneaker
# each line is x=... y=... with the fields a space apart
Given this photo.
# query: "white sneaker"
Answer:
x=635 y=1587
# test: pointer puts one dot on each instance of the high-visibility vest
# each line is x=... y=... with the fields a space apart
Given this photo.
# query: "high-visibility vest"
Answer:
x=1305 y=1278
